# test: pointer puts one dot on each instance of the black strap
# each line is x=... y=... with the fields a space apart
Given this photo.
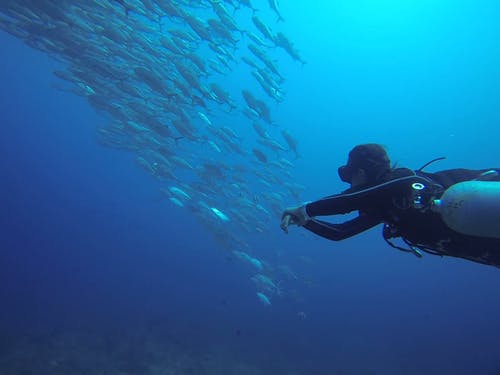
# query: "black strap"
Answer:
x=430 y=162
x=392 y=232
x=416 y=249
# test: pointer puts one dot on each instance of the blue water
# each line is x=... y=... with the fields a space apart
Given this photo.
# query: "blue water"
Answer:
x=99 y=274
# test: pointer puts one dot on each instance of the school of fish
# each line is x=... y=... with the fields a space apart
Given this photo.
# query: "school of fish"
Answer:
x=188 y=87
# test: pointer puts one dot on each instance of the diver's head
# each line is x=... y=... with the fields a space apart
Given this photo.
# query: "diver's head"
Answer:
x=367 y=163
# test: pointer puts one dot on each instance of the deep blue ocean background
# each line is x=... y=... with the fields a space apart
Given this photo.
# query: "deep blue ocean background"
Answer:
x=96 y=266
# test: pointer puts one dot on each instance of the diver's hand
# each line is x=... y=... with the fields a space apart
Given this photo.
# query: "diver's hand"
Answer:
x=286 y=220
x=294 y=216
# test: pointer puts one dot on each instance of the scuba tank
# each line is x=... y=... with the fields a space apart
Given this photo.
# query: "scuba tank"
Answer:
x=471 y=208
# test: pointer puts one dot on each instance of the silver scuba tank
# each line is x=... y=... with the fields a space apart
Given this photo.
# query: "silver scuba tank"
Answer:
x=471 y=208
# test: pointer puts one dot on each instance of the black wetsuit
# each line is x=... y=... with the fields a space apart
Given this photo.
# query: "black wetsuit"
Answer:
x=392 y=202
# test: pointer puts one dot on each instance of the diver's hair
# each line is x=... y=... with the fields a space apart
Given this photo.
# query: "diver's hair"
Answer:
x=372 y=158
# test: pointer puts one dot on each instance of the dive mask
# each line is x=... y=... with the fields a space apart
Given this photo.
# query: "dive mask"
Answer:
x=345 y=173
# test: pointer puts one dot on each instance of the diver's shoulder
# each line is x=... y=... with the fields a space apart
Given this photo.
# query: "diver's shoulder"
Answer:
x=400 y=172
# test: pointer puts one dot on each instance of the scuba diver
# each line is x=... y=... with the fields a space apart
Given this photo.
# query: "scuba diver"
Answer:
x=452 y=212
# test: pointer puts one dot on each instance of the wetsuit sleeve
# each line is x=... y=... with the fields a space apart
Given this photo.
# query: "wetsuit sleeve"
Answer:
x=336 y=204
x=338 y=232
x=344 y=203
x=370 y=202
x=364 y=200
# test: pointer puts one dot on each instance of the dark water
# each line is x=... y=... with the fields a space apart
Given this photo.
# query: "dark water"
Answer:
x=99 y=275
